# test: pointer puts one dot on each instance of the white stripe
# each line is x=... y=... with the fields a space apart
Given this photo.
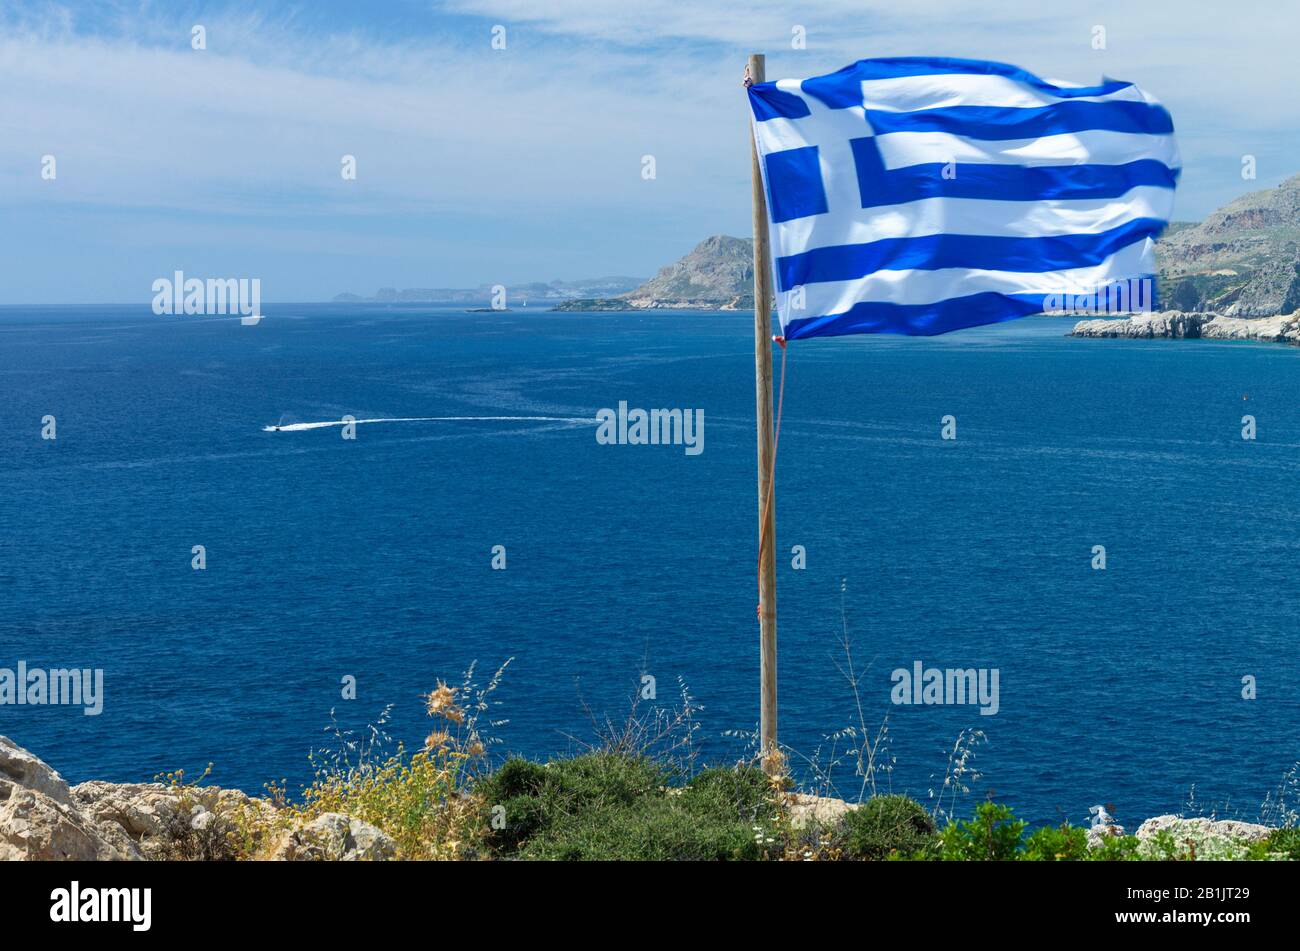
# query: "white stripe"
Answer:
x=911 y=93
x=928 y=287
x=1090 y=147
x=1003 y=219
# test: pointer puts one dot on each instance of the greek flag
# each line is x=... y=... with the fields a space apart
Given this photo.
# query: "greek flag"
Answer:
x=920 y=195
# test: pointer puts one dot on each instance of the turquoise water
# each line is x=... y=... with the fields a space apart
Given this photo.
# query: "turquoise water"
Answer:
x=371 y=558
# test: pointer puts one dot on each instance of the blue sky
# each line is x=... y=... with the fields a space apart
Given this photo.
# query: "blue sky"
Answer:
x=477 y=165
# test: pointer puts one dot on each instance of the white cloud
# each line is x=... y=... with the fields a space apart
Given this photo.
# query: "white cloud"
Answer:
x=458 y=139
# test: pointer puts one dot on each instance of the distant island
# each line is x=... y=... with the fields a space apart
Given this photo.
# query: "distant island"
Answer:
x=535 y=292
x=717 y=275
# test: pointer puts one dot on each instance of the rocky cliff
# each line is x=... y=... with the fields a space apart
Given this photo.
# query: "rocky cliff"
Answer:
x=1243 y=260
x=717 y=274
x=1211 y=326
x=718 y=269
x=42 y=818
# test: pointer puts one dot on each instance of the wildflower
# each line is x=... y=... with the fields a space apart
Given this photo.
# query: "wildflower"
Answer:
x=437 y=739
x=442 y=702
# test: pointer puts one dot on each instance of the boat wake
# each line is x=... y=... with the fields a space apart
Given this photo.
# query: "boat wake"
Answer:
x=299 y=427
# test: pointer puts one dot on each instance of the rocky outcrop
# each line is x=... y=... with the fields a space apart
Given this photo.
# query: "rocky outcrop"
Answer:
x=1180 y=325
x=33 y=827
x=717 y=274
x=43 y=819
x=1274 y=288
x=808 y=810
x=1226 y=829
x=1257 y=227
x=1241 y=260
x=20 y=768
x=39 y=820
x=148 y=813
x=718 y=269
x=334 y=837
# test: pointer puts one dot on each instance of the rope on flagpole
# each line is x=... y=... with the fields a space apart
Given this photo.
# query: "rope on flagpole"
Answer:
x=771 y=482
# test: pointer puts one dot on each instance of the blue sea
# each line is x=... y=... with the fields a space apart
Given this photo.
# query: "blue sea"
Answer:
x=371 y=558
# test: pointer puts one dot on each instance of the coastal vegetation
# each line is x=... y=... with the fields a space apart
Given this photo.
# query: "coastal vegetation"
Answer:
x=635 y=793
x=609 y=803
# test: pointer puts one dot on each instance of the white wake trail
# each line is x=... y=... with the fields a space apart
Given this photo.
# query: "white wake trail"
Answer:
x=299 y=427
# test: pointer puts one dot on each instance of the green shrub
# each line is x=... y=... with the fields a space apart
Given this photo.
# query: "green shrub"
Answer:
x=662 y=828
x=1284 y=843
x=993 y=835
x=534 y=797
x=1115 y=848
x=607 y=806
x=746 y=791
x=1064 y=843
x=887 y=826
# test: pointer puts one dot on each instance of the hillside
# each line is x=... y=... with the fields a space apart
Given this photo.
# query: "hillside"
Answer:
x=719 y=269
x=1241 y=260
x=717 y=274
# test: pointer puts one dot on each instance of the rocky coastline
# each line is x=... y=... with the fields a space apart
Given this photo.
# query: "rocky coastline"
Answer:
x=43 y=818
x=1196 y=325
x=625 y=304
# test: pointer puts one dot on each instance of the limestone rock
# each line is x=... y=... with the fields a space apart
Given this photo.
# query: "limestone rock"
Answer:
x=334 y=837
x=35 y=827
x=1282 y=328
x=20 y=768
x=1203 y=828
x=717 y=271
x=143 y=810
x=806 y=809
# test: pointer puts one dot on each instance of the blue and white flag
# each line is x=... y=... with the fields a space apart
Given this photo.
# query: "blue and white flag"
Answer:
x=921 y=195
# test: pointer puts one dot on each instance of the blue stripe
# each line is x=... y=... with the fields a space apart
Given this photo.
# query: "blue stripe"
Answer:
x=917 y=320
x=768 y=102
x=934 y=252
x=879 y=186
x=843 y=88
x=923 y=320
x=1010 y=122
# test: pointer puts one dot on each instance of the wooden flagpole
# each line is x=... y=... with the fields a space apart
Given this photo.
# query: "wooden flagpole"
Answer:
x=763 y=396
